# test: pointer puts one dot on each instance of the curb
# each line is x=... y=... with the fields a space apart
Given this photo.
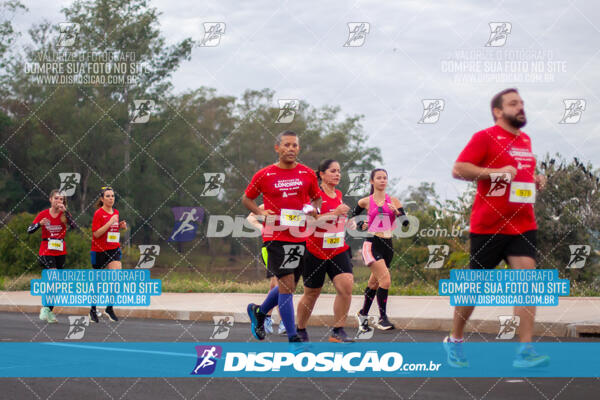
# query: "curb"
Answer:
x=542 y=328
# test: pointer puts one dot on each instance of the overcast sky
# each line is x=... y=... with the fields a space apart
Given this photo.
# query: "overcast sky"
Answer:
x=409 y=54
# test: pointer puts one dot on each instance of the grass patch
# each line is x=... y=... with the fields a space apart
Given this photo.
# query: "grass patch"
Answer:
x=17 y=283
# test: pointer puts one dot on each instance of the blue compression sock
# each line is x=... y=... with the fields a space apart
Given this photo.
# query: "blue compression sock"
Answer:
x=271 y=300
x=286 y=311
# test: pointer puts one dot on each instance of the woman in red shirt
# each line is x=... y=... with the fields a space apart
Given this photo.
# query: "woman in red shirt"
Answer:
x=328 y=254
x=106 y=250
x=53 y=250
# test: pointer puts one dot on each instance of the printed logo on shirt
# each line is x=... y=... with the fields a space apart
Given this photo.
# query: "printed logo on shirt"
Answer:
x=288 y=184
x=520 y=152
x=54 y=229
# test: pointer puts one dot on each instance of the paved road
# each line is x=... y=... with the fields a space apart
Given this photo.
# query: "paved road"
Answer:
x=26 y=327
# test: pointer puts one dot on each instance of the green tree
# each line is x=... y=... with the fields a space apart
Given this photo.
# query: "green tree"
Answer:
x=567 y=212
x=91 y=125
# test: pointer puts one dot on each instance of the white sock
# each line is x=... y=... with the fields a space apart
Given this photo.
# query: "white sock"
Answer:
x=454 y=340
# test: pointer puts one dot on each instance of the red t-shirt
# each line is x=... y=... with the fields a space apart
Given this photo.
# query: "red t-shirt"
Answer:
x=327 y=242
x=104 y=243
x=288 y=190
x=493 y=211
x=56 y=230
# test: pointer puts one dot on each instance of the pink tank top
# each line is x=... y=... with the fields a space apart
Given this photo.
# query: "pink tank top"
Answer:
x=382 y=218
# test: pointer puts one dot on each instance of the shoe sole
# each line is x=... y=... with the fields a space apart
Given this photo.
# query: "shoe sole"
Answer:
x=384 y=328
x=109 y=317
x=336 y=340
x=542 y=363
x=253 y=321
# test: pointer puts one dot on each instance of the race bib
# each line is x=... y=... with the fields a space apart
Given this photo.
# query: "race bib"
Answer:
x=55 y=244
x=113 y=237
x=521 y=192
x=292 y=217
x=333 y=240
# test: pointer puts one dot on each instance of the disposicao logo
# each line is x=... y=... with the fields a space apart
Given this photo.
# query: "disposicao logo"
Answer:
x=207 y=359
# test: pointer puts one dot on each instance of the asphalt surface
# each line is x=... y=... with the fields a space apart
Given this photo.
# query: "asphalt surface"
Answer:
x=20 y=327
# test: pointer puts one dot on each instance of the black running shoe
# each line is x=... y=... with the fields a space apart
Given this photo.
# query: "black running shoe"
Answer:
x=257 y=321
x=94 y=316
x=295 y=339
x=384 y=324
x=109 y=312
x=303 y=335
x=340 y=337
x=296 y=346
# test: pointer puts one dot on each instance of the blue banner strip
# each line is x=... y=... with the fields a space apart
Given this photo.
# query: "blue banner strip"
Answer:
x=326 y=360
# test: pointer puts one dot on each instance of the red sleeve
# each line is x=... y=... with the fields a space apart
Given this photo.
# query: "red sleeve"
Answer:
x=475 y=151
x=96 y=222
x=254 y=187
x=314 y=190
x=39 y=217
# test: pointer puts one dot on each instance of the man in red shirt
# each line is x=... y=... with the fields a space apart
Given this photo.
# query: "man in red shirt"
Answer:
x=503 y=224
x=288 y=188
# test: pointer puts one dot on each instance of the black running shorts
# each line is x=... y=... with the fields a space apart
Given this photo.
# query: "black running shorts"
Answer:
x=57 y=262
x=285 y=258
x=376 y=248
x=488 y=250
x=315 y=268
x=101 y=259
